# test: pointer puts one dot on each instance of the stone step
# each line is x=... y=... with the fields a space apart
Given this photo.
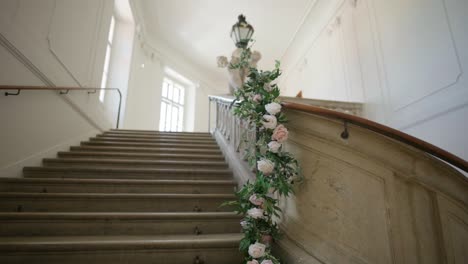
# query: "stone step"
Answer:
x=165 y=249
x=146 y=136
x=115 y=224
x=153 y=150
x=90 y=162
x=155 y=132
x=127 y=173
x=115 y=202
x=163 y=140
x=33 y=185
x=150 y=145
x=139 y=156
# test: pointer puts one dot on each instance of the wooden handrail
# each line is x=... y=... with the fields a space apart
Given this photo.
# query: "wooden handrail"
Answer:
x=373 y=126
x=19 y=88
x=384 y=130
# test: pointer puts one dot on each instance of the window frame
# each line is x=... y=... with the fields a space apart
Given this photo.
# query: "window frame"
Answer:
x=107 y=58
x=169 y=102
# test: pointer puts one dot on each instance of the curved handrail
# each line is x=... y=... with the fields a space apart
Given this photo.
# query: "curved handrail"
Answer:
x=373 y=126
x=61 y=89
x=384 y=130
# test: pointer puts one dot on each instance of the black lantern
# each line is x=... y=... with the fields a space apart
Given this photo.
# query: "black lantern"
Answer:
x=242 y=32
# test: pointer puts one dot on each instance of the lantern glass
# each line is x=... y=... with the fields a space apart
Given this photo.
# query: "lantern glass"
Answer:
x=241 y=32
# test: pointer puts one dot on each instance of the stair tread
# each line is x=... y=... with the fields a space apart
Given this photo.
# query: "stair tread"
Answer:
x=150 y=136
x=139 y=154
x=118 y=181
x=116 y=215
x=143 y=144
x=133 y=161
x=157 y=132
x=75 y=243
x=145 y=149
x=153 y=139
x=116 y=195
x=124 y=169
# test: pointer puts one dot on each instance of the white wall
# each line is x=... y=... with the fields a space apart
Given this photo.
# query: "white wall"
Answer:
x=53 y=43
x=145 y=89
x=144 y=98
x=404 y=59
x=144 y=95
x=120 y=64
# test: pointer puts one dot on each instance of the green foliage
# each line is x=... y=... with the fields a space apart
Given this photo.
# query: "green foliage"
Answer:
x=258 y=91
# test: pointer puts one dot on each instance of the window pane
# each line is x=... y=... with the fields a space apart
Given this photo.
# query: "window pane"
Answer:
x=176 y=94
x=169 y=91
x=172 y=113
x=162 y=120
x=181 y=119
x=107 y=59
x=164 y=89
x=175 y=115
x=182 y=95
x=111 y=30
x=167 y=125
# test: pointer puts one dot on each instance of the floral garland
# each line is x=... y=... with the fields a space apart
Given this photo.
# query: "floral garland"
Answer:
x=276 y=170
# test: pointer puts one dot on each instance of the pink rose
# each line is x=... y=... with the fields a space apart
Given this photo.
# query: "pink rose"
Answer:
x=253 y=261
x=257 y=98
x=280 y=134
x=256 y=200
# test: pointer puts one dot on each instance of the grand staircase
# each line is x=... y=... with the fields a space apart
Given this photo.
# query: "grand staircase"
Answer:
x=125 y=196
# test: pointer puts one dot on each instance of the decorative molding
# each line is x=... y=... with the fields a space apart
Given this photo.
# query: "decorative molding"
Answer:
x=47 y=81
x=353 y=3
x=25 y=61
x=92 y=53
x=387 y=86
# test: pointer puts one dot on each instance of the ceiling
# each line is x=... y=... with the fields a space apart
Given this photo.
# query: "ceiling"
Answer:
x=200 y=30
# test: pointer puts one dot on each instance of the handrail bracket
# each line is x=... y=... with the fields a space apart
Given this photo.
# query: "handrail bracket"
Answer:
x=345 y=133
x=17 y=93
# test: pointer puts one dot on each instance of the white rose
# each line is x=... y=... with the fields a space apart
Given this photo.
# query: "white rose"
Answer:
x=274 y=146
x=244 y=224
x=253 y=261
x=265 y=166
x=255 y=213
x=222 y=61
x=267 y=86
x=267 y=261
x=273 y=108
x=257 y=250
x=256 y=200
x=269 y=122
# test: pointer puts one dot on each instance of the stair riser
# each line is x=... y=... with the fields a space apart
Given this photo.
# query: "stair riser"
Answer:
x=109 y=188
x=156 y=140
x=134 y=176
x=110 y=155
x=148 y=150
x=136 y=136
x=117 y=227
x=149 y=256
x=150 y=145
x=102 y=204
x=97 y=164
x=147 y=132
